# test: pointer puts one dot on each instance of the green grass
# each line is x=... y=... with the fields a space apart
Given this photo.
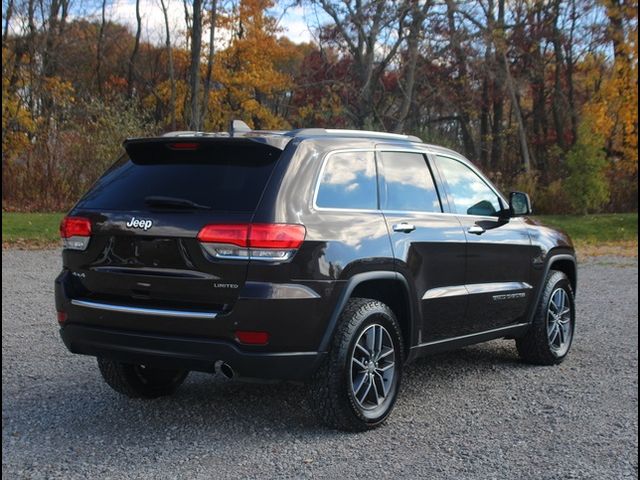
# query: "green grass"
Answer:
x=38 y=229
x=596 y=229
x=31 y=228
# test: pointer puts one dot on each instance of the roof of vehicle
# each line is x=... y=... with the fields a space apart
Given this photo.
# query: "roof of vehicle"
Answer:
x=281 y=138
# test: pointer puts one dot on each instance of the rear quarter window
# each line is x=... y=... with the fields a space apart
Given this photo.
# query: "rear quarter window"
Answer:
x=348 y=181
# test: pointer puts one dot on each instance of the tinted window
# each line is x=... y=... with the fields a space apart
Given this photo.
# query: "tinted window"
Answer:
x=348 y=181
x=470 y=194
x=223 y=177
x=406 y=183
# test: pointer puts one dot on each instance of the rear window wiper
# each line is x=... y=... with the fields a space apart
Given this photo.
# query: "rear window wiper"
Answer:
x=173 y=202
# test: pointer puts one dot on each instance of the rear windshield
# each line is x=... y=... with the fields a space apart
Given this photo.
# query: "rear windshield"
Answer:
x=222 y=177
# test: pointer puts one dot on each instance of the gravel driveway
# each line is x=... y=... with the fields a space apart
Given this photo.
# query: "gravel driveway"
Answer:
x=473 y=413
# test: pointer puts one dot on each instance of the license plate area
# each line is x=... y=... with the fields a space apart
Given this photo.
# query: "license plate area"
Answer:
x=148 y=252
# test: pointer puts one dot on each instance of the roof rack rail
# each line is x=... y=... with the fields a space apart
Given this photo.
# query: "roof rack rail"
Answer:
x=351 y=133
x=194 y=133
x=238 y=128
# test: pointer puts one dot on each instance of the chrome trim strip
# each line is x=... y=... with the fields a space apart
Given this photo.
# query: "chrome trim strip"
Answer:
x=471 y=335
x=143 y=311
x=442 y=292
x=497 y=287
x=474 y=289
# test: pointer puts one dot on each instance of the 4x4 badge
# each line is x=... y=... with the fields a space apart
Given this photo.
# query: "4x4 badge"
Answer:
x=139 y=223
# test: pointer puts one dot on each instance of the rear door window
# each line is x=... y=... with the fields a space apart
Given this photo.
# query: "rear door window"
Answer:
x=406 y=183
x=348 y=180
x=222 y=177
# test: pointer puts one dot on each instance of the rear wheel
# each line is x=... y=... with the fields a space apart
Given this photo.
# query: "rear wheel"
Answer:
x=140 y=381
x=549 y=338
x=356 y=388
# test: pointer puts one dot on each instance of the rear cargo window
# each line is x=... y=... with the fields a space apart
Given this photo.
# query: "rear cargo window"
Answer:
x=222 y=177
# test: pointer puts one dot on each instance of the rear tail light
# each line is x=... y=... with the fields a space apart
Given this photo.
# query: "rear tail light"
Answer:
x=257 y=241
x=75 y=232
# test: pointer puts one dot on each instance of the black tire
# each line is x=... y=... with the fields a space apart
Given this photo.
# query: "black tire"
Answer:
x=536 y=346
x=332 y=396
x=140 y=381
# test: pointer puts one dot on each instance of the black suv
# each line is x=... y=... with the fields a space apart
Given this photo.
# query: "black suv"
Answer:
x=328 y=256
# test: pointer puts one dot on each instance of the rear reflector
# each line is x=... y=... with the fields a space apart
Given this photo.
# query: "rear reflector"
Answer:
x=62 y=317
x=252 y=338
x=260 y=241
x=75 y=232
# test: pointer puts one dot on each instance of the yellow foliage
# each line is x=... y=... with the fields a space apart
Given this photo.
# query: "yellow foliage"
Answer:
x=612 y=112
x=17 y=123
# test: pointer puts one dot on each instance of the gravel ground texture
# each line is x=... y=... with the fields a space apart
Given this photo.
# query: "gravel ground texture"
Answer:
x=473 y=413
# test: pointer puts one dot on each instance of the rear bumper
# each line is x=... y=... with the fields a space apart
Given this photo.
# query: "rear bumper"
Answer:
x=186 y=352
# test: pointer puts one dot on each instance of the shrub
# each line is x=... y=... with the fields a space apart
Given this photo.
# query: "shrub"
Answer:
x=586 y=183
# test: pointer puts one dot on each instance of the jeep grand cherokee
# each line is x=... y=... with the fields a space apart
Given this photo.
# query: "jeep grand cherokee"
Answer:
x=327 y=256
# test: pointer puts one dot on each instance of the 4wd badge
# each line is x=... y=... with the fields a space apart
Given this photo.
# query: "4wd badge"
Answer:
x=139 y=223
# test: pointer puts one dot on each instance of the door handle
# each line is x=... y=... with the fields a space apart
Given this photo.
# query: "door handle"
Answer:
x=476 y=229
x=404 y=227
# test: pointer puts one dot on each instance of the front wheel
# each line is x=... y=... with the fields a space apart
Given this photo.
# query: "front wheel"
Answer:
x=140 y=381
x=356 y=388
x=548 y=340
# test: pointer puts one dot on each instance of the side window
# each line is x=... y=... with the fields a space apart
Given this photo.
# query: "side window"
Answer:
x=406 y=183
x=471 y=195
x=348 y=181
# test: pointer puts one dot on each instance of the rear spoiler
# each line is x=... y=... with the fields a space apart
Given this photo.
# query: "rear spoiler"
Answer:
x=194 y=149
x=180 y=141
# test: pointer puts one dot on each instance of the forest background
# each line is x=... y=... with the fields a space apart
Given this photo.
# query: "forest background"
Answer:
x=541 y=94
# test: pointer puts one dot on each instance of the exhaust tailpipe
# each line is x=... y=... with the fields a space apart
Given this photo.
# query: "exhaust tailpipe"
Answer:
x=225 y=369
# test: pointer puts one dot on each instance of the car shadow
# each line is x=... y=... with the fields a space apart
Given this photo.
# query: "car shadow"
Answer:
x=212 y=406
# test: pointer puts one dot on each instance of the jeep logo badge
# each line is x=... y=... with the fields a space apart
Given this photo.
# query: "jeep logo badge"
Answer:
x=139 y=223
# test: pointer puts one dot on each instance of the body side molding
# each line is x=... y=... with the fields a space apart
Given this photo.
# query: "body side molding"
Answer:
x=475 y=288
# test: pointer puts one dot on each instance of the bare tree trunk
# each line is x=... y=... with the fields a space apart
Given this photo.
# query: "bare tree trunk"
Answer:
x=207 y=79
x=134 y=53
x=616 y=27
x=194 y=68
x=537 y=69
x=99 y=47
x=172 y=79
x=557 y=106
x=498 y=99
x=7 y=19
x=187 y=21
x=484 y=111
x=463 y=107
x=522 y=134
x=573 y=113
x=413 y=43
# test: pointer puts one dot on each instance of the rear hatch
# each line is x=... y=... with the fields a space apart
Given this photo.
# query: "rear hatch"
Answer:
x=145 y=214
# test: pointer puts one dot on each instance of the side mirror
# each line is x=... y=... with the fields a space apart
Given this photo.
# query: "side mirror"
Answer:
x=519 y=204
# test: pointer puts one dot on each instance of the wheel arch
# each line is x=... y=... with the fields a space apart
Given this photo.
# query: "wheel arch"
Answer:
x=563 y=262
x=390 y=288
x=567 y=265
